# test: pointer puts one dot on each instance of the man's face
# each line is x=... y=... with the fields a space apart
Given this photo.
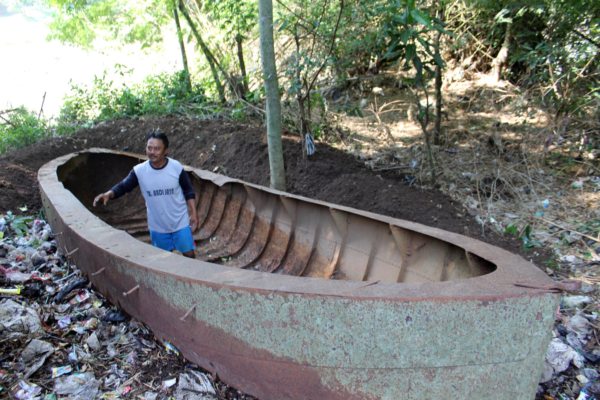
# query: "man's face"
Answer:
x=156 y=151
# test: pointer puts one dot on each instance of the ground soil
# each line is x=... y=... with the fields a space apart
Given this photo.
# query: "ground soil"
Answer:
x=240 y=151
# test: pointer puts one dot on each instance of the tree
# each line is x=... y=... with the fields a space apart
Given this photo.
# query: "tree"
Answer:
x=210 y=58
x=82 y=22
x=186 y=69
x=267 y=51
x=416 y=28
x=236 y=19
x=313 y=27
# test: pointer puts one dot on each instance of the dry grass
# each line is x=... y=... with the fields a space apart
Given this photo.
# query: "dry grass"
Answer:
x=506 y=160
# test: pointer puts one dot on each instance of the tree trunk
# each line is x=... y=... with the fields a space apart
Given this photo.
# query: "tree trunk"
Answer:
x=437 y=133
x=424 y=121
x=240 y=53
x=502 y=57
x=206 y=51
x=186 y=69
x=267 y=51
x=303 y=122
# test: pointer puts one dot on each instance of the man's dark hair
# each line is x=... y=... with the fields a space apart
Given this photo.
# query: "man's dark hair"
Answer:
x=160 y=136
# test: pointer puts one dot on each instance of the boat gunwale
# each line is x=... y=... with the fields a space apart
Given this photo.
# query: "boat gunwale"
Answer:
x=513 y=275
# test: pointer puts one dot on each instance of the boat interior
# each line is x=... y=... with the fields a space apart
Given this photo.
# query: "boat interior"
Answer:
x=244 y=226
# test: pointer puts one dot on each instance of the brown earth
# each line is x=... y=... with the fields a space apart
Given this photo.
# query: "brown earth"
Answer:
x=240 y=151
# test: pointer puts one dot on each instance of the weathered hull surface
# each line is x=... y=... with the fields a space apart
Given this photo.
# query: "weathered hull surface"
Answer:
x=300 y=299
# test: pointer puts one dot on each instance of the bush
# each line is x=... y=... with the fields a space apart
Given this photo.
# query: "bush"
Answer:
x=105 y=100
x=20 y=127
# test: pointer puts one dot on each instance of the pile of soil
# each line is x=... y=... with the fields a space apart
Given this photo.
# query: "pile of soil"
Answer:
x=240 y=151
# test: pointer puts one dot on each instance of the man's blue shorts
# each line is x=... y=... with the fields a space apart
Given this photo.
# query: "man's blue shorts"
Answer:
x=181 y=240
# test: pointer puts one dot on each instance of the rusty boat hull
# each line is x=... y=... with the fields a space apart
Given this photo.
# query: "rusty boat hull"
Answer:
x=293 y=298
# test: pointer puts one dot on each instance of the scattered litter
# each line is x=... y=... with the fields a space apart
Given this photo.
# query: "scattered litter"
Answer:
x=11 y=291
x=17 y=320
x=578 y=184
x=114 y=316
x=574 y=301
x=34 y=355
x=194 y=385
x=93 y=342
x=558 y=358
x=64 y=322
x=27 y=391
x=309 y=144
x=60 y=371
x=68 y=288
x=579 y=325
x=167 y=384
x=170 y=348
x=81 y=386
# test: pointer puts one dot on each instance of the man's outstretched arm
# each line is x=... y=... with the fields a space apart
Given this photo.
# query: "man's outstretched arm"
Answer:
x=125 y=186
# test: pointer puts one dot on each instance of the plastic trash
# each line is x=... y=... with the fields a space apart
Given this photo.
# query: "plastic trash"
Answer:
x=194 y=385
x=27 y=391
x=114 y=316
x=64 y=322
x=83 y=386
x=64 y=292
x=586 y=392
x=149 y=396
x=580 y=325
x=546 y=203
x=73 y=355
x=166 y=384
x=578 y=184
x=80 y=297
x=309 y=144
x=170 y=348
x=558 y=358
x=11 y=291
x=574 y=301
x=93 y=342
x=34 y=355
x=17 y=320
x=60 y=371
x=14 y=275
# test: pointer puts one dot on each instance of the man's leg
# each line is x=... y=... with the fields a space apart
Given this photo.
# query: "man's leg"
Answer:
x=184 y=242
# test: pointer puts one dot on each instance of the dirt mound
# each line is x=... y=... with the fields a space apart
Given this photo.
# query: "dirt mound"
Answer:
x=240 y=151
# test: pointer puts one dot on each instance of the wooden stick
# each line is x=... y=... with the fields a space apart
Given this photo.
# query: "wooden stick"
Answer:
x=101 y=270
x=70 y=253
x=569 y=229
x=133 y=289
x=188 y=312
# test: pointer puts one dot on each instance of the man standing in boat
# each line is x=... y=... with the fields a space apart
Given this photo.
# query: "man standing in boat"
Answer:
x=169 y=195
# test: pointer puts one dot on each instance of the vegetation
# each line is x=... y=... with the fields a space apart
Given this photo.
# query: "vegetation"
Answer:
x=20 y=127
x=326 y=47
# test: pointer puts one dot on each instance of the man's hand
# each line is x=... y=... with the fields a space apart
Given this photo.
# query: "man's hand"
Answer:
x=193 y=222
x=103 y=197
x=191 y=204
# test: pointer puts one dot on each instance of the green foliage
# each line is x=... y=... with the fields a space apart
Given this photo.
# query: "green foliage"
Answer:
x=105 y=99
x=554 y=46
x=82 y=22
x=523 y=234
x=18 y=224
x=233 y=17
x=19 y=128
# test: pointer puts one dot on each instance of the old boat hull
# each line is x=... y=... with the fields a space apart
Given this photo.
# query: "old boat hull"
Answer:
x=445 y=323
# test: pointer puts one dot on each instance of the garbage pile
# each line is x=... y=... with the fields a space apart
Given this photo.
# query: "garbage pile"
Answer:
x=573 y=356
x=60 y=339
